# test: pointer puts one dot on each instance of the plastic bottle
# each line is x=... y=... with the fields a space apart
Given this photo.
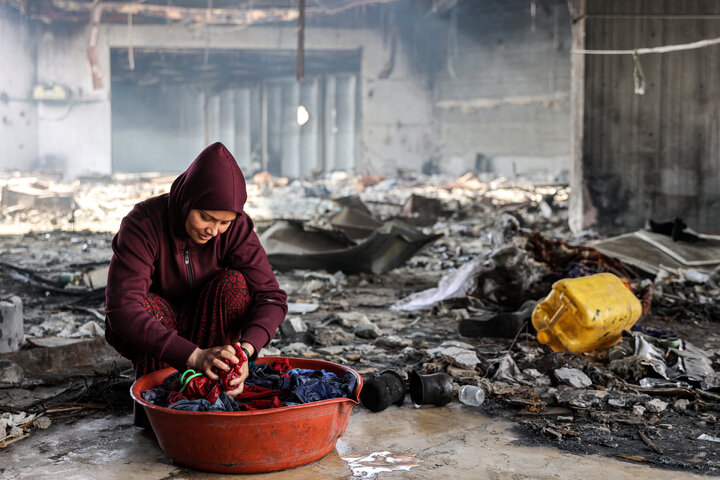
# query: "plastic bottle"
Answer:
x=471 y=395
x=587 y=313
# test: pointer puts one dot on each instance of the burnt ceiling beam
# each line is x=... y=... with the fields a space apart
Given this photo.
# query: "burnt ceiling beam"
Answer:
x=208 y=16
x=215 y=16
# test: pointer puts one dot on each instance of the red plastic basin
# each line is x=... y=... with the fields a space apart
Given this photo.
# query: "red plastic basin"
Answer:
x=254 y=441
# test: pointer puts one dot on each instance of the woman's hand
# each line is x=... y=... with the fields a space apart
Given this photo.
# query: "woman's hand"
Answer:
x=202 y=360
x=239 y=383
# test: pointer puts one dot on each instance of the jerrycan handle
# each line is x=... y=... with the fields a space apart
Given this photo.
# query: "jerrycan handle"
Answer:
x=556 y=316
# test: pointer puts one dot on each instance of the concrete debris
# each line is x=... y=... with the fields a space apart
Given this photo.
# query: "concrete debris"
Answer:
x=638 y=410
x=393 y=341
x=11 y=324
x=302 y=308
x=292 y=326
x=295 y=349
x=572 y=377
x=656 y=405
x=461 y=357
x=681 y=404
x=582 y=398
x=11 y=374
x=709 y=438
x=364 y=328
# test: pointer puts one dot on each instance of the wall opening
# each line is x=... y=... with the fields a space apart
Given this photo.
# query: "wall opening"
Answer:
x=172 y=103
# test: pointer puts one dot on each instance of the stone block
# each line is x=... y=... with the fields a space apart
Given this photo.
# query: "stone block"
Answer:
x=11 y=324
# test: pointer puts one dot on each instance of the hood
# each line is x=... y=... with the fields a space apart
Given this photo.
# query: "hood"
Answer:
x=213 y=181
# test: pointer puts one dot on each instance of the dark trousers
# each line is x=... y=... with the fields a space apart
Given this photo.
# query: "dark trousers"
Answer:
x=211 y=318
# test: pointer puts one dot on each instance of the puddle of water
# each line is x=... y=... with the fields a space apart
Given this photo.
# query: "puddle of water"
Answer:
x=367 y=465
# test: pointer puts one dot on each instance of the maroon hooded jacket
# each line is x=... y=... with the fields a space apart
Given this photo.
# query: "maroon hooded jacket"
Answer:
x=153 y=254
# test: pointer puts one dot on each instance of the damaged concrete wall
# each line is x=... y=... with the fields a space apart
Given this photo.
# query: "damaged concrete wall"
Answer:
x=655 y=155
x=18 y=113
x=495 y=97
x=73 y=135
x=502 y=99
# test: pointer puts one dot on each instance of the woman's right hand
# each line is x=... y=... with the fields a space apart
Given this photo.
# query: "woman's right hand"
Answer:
x=202 y=360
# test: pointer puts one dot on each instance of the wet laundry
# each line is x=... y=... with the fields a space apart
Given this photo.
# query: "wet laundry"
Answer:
x=267 y=386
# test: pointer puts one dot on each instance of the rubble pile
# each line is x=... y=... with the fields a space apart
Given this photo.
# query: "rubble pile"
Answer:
x=458 y=301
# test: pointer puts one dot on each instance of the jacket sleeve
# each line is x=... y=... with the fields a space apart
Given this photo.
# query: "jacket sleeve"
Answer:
x=129 y=327
x=246 y=254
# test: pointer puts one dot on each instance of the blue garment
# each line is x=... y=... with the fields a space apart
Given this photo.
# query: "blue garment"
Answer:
x=222 y=404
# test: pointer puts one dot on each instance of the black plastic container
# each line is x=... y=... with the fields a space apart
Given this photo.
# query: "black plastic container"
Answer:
x=383 y=390
x=432 y=389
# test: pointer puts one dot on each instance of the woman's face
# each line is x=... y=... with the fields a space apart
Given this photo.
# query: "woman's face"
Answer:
x=202 y=225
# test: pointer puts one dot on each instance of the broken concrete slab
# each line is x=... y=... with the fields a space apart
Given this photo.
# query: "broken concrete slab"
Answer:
x=364 y=328
x=11 y=374
x=11 y=324
x=393 y=341
x=59 y=363
x=96 y=278
x=656 y=405
x=461 y=357
x=38 y=195
x=572 y=377
x=292 y=326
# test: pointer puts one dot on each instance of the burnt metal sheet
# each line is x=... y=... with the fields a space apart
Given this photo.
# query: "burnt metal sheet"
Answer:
x=290 y=246
x=650 y=251
x=355 y=223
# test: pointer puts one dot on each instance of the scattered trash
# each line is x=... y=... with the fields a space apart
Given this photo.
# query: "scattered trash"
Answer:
x=381 y=391
x=432 y=389
x=370 y=464
x=11 y=324
x=584 y=314
x=471 y=395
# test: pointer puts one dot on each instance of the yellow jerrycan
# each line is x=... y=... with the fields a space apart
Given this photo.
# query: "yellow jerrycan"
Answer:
x=586 y=313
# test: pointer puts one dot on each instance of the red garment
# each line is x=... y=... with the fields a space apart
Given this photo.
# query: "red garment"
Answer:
x=150 y=252
x=256 y=392
x=204 y=387
x=281 y=365
x=274 y=402
x=174 y=397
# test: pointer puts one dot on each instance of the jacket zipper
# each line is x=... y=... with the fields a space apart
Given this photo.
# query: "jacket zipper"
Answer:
x=189 y=267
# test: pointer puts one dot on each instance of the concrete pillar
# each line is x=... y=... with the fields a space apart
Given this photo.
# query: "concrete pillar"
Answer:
x=290 y=130
x=274 y=128
x=330 y=123
x=345 y=139
x=309 y=133
x=243 y=143
x=226 y=118
x=11 y=324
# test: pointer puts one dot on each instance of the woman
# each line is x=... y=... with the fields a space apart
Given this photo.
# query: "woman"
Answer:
x=189 y=278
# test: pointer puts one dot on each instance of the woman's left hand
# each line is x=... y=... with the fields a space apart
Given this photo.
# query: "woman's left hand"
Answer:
x=238 y=384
